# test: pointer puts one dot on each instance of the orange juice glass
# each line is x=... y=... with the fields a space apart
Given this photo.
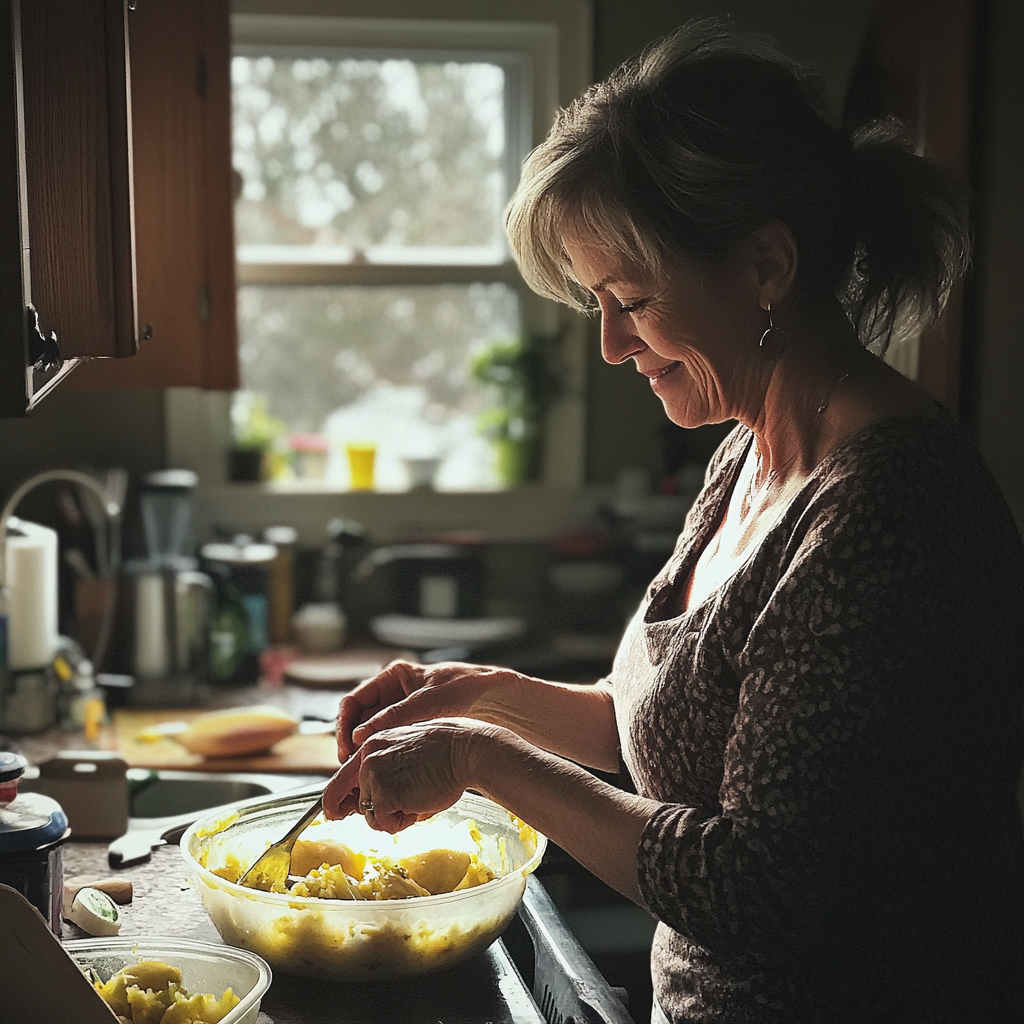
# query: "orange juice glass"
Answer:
x=361 y=458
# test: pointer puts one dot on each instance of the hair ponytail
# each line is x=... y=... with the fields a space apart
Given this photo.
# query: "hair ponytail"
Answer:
x=688 y=148
x=913 y=240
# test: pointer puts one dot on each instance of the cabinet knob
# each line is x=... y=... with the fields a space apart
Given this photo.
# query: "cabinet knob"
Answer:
x=43 y=352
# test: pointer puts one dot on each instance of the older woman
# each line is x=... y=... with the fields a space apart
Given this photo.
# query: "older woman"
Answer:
x=819 y=698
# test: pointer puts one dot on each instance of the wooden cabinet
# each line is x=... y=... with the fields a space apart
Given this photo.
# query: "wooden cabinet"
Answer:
x=65 y=192
x=116 y=196
x=184 y=230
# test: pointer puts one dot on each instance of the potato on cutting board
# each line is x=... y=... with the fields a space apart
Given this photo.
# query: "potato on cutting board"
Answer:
x=236 y=731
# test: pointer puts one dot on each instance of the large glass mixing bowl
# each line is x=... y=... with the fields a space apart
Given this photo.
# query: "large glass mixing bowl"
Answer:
x=349 y=940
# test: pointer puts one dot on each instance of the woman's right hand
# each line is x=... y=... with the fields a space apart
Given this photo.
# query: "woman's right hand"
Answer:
x=404 y=693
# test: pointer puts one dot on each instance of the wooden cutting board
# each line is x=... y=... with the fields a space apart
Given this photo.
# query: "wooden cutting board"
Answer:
x=316 y=754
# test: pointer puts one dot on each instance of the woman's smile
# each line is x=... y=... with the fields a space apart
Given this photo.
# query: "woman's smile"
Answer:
x=657 y=375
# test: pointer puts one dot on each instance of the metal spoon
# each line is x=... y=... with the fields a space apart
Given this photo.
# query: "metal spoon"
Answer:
x=273 y=866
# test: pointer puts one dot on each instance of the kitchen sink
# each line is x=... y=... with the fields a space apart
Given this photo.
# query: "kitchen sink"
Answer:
x=162 y=803
x=164 y=793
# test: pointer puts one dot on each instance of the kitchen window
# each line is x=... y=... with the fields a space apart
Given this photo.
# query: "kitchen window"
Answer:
x=375 y=158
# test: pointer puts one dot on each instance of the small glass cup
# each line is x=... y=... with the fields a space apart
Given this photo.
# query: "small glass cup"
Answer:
x=361 y=458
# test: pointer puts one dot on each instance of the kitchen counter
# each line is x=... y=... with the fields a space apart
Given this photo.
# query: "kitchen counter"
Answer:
x=295 y=700
x=487 y=988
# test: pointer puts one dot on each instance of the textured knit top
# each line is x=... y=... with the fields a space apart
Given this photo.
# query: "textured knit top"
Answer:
x=836 y=736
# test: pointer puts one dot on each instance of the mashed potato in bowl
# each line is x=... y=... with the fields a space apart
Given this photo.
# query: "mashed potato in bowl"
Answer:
x=386 y=908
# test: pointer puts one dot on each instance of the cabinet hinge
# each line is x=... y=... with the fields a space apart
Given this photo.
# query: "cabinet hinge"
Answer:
x=43 y=352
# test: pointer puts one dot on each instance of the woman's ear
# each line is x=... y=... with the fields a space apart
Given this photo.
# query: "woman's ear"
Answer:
x=773 y=258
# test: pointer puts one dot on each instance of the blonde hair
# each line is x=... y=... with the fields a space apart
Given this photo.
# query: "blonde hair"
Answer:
x=690 y=147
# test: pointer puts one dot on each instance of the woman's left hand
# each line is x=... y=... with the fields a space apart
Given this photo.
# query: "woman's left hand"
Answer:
x=403 y=775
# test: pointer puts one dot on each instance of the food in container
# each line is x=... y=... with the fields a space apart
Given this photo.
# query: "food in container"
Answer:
x=152 y=992
x=205 y=968
x=366 y=938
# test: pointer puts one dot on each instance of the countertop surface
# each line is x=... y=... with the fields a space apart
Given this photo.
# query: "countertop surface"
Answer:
x=485 y=990
x=297 y=701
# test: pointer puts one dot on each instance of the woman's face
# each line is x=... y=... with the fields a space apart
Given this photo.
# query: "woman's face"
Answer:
x=695 y=338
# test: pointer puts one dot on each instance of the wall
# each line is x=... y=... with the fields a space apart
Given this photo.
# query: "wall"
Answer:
x=994 y=403
x=84 y=429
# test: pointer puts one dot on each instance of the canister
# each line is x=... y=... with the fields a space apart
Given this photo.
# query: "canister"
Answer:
x=33 y=829
x=239 y=630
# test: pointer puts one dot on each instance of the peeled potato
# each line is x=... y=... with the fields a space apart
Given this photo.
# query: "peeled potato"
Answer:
x=477 y=874
x=394 y=885
x=154 y=974
x=308 y=854
x=237 y=731
x=437 y=870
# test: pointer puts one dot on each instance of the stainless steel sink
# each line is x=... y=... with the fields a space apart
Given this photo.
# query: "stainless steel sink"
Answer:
x=163 y=803
x=164 y=793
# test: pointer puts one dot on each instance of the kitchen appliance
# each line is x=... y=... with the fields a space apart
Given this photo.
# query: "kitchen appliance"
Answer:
x=167 y=505
x=354 y=940
x=33 y=829
x=161 y=633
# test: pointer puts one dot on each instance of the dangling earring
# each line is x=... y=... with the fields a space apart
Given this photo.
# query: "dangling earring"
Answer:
x=775 y=340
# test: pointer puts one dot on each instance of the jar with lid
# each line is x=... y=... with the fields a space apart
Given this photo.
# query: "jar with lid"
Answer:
x=33 y=830
x=239 y=626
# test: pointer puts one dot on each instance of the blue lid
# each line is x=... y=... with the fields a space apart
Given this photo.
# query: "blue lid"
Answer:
x=31 y=821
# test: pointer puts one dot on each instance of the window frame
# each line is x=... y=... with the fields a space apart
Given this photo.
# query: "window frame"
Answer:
x=553 y=38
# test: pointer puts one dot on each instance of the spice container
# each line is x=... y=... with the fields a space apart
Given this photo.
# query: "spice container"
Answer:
x=33 y=829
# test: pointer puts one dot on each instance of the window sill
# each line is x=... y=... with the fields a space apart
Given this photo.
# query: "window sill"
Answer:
x=526 y=514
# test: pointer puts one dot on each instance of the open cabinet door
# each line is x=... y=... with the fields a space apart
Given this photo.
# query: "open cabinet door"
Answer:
x=183 y=202
x=65 y=193
x=917 y=64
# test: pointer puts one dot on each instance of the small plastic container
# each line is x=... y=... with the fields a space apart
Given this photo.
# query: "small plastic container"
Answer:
x=205 y=966
x=362 y=940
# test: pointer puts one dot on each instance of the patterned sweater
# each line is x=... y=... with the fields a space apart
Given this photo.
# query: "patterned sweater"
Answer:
x=836 y=736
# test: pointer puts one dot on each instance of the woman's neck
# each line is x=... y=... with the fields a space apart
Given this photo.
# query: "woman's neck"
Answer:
x=822 y=364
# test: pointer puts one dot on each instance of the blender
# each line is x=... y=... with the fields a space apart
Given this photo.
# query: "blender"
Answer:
x=167 y=501
x=166 y=600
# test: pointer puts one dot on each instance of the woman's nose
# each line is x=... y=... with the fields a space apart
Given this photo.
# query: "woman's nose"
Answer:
x=618 y=339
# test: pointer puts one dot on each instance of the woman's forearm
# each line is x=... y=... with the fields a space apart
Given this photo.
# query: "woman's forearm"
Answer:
x=577 y=722
x=597 y=824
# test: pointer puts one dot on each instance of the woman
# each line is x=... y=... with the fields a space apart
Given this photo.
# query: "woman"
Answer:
x=819 y=698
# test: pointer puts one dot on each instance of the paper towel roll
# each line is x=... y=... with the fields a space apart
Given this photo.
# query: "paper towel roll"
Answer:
x=32 y=593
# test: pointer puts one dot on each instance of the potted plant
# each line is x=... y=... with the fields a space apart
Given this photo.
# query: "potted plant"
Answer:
x=255 y=434
x=520 y=376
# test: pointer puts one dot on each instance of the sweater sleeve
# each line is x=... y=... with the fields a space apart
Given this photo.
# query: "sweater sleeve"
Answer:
x=829 y=660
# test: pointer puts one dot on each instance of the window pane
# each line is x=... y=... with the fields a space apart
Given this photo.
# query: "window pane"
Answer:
x=389 y=161
x=390 y=365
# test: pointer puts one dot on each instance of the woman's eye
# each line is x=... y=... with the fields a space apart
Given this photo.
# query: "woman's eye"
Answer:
x=633 y=307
